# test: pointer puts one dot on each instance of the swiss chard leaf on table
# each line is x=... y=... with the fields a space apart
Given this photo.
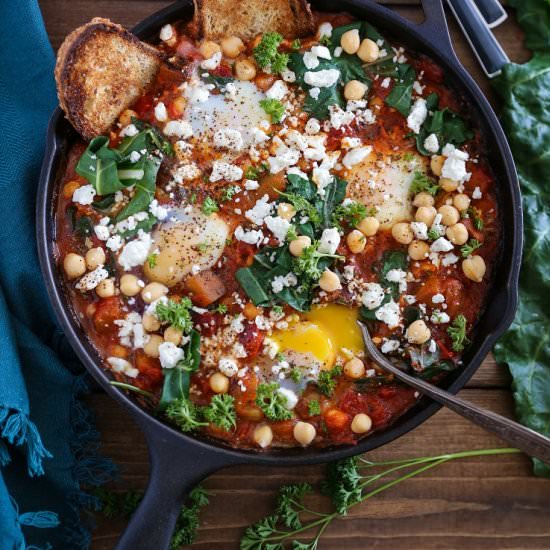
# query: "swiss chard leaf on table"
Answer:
x=525 y=91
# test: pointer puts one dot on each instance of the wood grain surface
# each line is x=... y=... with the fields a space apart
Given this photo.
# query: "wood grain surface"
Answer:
x=481 y=503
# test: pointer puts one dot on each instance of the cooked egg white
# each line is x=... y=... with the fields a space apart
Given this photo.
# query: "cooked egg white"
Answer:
x=188 y=238
x=322 y=333
x=383 y=181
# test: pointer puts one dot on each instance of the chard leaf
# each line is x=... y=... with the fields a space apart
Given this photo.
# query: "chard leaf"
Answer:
x=335 y=193
x=98 y=165
x=525 y=92
x=400 y=97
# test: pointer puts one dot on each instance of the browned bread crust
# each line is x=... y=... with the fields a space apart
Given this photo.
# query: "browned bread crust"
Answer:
x=248 y=18
x=101 y=70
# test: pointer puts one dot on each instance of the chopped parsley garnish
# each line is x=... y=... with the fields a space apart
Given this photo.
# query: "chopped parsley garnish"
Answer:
x=470 y=247
x=152 y=260
x=209 y=206
x=296 y=44
x=327 y=380
x=301 y=204
x=177 y=314
x=277 y=310
x=325 y=40
x=295 y=374
x=220 y=308
x=422 y=183
x=221 y=412
x=185 y=414
x=267 y=55
x=475 y=214
x=307 y=265
x=228 y=192
x=203 y=247
x=353 y=214
x=433 y=234
x=274 y=108
x=314 y=407
x=272 y=402
x=457 y=333
x=291 y=234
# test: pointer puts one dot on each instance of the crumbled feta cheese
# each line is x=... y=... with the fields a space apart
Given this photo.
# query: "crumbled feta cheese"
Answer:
x=322 y=79
x=170 y=355
x=439 y=317
x=213 y=62
x=134 y=156
x=282 y=281
x=135 y=252
x=288 y=76
x=449 y=259
x=229 y=138
x=389 y=345
x=114 y=243
x=131 y=332
x=321 y=178
x=321 y=51
x=259 y=211
x=225 y=171
x=84 y=194
x=314 y=92
x=291 y=399
x=420 y=230
x=278 y=226
x=409 y=298
x=92 y=278
x=431 y=144
x=339 y=117
x=157 y=210
x=196 y=92
x=477 y=193
x=277 y=91
x=122 y=366
x=389 y=314
x=338 y=51
x=129 y=131
x=355 y=156
x=330 y=239
x=249 y=237
x=178 y=128
x=418 y=115
x=350 y=143
x=185 y=172
x=284 y=157
x=101 y=232
x=166 y=33
x=228 y=366
x=373 y=296
x=161 y=114
x=251 y=185
x=418 y=88
x=354 y=105
x=438 y=298
x=398 y=276
x=386 y=82
x=310 y=60
x=312 y=126
x=454 y=167
x=441 y=245
x=325 y=29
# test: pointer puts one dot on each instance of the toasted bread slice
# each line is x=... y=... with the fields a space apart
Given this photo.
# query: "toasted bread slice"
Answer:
x=248 y=18
x=101 y=70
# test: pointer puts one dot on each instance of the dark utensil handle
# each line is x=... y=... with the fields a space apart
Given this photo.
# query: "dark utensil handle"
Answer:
x=176 y=468
x=435 y=26
x=485 y=46
x=493 y=12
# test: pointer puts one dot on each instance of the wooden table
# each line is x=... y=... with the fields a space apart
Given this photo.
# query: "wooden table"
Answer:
x=478 y=503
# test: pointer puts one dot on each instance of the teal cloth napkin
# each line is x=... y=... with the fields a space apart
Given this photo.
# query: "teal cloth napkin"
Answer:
x=47 y=444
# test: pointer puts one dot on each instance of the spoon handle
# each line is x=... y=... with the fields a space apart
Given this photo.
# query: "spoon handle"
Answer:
x=525 y=439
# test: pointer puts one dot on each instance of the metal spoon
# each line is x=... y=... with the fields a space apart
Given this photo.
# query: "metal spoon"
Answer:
x=525 y=439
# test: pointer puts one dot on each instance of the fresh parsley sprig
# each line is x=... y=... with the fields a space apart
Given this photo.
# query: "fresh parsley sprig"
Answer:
x=184 y=414
x=272 y=402
x=221 y=412
x=457 y=333
x=470 y=247
x=327 y=380
x=176 y=314
x=267 y=54
x=423 y=183
x=274 y=108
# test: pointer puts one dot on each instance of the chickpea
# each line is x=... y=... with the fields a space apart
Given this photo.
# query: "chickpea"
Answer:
x=329 y=281
x=436 y=164
x=174 y=335
x=151 y=348
x=354 y=90
x=232 y=46
x=368 y=51
x=448 y=184
x=263 y=436
x=449 y=214
x=129 y=285
x=209 y=48
x=418 y=250
x=423 y=199
x=150 y=322
x=219 y=383
x=95 y=257
x=74 y=265
x=361 y=423
x=298 y=245
x=402 y=233
x=350 y=41
x=474 y=268
x=105 y=289
x=69 y=188
x=369 y=226
x=426 y=214
x=356 y=241
x=245 y=69
x=250 y=311
x=354 y=368
x=153 y=291
x=304 y=433
x=179 y=104
x=418 y=332
x=126 y=117
x=457 y=233
x=461 y=202
x=286 y=210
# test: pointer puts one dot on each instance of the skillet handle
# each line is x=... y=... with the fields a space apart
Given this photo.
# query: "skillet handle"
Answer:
x=435 y=26
x=176 y=468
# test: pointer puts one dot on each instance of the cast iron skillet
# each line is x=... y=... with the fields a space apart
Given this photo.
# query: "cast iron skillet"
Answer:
x=179 y=461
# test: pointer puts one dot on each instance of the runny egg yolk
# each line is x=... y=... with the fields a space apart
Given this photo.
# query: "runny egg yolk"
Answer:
x=322 y=332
